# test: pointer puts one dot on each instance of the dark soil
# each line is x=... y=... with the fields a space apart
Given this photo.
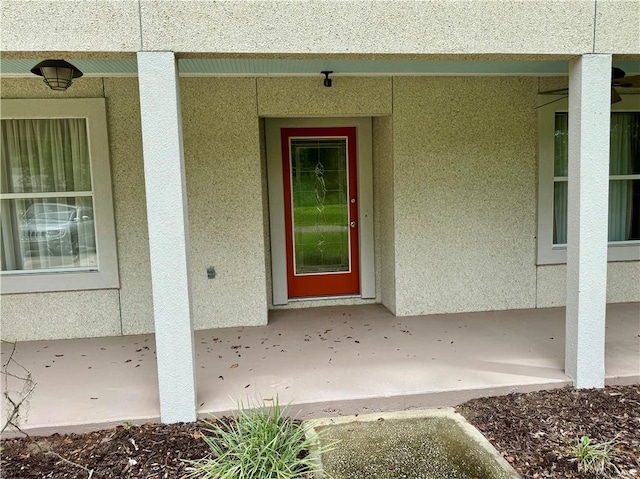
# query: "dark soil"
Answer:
x=536 y=432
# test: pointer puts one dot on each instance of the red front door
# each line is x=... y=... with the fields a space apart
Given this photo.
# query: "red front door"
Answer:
x=321 y=211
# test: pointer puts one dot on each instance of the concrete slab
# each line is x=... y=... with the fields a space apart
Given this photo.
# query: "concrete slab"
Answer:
x=324 y=361
x=430 y=444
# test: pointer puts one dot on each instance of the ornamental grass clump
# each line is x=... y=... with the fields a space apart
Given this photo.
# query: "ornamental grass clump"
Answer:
x=258 y=443
x=594 y=458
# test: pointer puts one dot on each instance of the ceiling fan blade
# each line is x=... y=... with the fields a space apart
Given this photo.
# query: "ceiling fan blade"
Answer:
x=617 y=73
x=628 y=82
x=560 y=91
x=615 y=97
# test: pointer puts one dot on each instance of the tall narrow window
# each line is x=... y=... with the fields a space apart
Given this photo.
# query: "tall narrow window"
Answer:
x=56 y=217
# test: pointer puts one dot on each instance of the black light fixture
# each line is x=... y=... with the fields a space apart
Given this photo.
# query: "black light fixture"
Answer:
x=58 y=74
x=327 y=81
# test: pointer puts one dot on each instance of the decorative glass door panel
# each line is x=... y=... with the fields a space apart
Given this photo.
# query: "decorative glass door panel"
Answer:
x=321 y=211
x=319 y=183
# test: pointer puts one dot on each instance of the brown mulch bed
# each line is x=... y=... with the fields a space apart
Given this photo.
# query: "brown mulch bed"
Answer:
x=536 y=432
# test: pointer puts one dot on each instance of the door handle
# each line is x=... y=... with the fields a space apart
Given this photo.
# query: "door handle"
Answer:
x=352 y=224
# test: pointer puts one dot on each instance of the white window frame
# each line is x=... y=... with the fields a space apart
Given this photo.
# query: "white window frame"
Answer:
x=547 y=252
x=106 y=274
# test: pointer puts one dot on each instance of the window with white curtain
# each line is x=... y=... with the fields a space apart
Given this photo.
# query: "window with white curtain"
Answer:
x=624 y=182
x=56 y=229
x=624 y=178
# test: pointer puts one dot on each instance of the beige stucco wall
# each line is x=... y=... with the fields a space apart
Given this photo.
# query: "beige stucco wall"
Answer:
x=623 y=284
x=465 y=200
x=465 y=194
x=222 y=158
x=127 y=172
x=454 y=198
x=384 y=210
x=76 y=25
x=224 y=189
x=320 y=26
x=438 y=26
x=617 y=27
x=307 y=97
x=28 y=317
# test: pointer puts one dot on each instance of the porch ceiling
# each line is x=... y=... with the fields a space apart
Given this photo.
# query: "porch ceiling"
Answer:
x=20 y=67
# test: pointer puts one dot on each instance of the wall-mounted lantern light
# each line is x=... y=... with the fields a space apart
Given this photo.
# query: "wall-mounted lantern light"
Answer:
x=58 y=74
x=327 y=80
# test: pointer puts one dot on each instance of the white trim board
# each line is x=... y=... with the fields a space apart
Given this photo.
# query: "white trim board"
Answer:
x=276 y=200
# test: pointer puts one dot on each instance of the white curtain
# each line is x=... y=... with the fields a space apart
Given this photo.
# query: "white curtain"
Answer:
x=624 y=160
x=40 y=156
x=624 y=133
x=45 y=156
x=560 y=169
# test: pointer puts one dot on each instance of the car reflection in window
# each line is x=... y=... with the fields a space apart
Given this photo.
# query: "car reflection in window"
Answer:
x=58 y=228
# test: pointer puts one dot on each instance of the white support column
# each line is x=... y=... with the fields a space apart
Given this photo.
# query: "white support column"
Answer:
x=589 y=120
x=168 y=233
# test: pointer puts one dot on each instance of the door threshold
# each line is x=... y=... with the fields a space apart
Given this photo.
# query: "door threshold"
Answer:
x=321 y=298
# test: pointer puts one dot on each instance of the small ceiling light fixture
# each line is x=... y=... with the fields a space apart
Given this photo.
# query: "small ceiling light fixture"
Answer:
x=327 y=81
x=58 y=74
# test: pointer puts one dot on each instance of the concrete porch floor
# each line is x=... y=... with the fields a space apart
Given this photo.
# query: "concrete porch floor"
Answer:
x=324 y=361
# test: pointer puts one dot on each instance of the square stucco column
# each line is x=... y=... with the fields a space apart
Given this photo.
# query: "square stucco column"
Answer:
x=589 y=120
x=168 y=234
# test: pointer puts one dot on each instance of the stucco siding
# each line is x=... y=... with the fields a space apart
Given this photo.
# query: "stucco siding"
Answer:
x=454 y=163
x=224 y=188
x=617 y=26
x=127 y=171
x=222 y=159
x=76 y=25
x=34 y=87
x=256 y=26
x=265 y=212
x=307 y=97
x=72 y=314
x=623 y=283
x=437 y=26
x=465 y=194
x=384 y=210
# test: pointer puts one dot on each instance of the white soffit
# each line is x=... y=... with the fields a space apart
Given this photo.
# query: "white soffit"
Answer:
x=291 y=67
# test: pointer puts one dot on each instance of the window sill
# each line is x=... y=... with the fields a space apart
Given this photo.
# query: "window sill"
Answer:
x=50 y=282
x=616 y=252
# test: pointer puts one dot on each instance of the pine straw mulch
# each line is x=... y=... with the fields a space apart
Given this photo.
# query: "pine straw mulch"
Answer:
x=536 y=432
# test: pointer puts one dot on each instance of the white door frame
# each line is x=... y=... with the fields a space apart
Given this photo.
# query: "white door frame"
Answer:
x=276 y=200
